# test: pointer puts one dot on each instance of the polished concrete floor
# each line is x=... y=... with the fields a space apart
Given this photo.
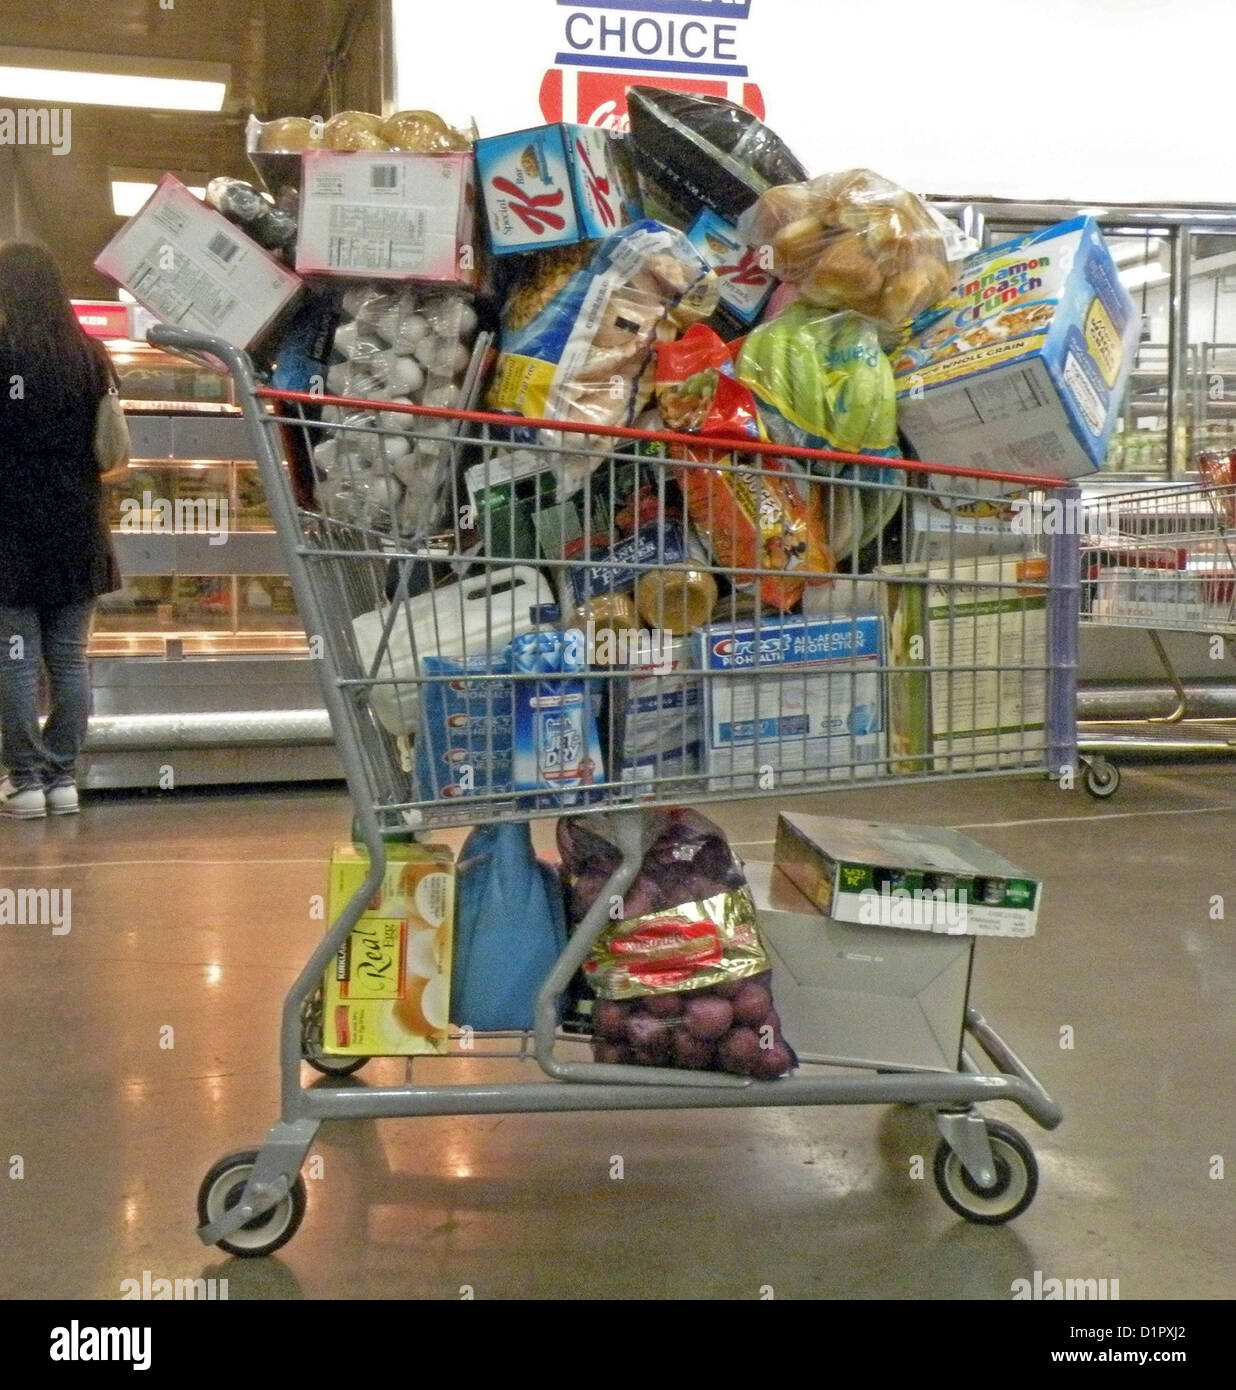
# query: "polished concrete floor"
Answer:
x=194 y=911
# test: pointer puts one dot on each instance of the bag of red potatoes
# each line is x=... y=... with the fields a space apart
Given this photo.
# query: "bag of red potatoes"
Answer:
x=681 y=978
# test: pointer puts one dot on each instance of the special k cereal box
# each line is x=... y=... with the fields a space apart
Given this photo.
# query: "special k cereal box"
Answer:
x=387 y=992
x=555 y=185
x=1022 y=369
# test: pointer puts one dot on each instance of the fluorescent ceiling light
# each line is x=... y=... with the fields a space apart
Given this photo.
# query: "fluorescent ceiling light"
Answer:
x=1150 y=274
x=57 y=78
x=128 y=195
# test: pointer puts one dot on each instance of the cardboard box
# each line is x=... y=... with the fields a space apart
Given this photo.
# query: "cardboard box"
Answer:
x=861 y=996
x=191 y=267
x=387 y=215
x=1023 y=368
x=974 y=655
x=917 y=877
x=555 y=185
x=387 y=993
x=745 y=285
x=797 y=695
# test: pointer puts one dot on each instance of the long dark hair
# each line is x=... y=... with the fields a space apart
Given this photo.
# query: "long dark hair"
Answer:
x=39 y=334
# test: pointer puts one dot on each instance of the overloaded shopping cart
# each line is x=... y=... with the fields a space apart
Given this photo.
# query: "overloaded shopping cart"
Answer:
x=1160 y=559
x=964 y=667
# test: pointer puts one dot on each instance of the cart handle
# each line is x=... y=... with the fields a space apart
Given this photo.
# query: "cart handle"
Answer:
x=720 y=443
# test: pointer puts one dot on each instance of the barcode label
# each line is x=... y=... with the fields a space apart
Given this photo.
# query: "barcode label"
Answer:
x=383 y=176
x=223 y=246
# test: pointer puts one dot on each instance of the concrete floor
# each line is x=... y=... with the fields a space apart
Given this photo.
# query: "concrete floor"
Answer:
x=194 y=911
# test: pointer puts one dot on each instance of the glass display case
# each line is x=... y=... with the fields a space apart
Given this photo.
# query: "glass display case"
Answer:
x=200 y=662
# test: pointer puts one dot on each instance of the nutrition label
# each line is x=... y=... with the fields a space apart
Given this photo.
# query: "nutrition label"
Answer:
x=376 y=238
x=179 y=290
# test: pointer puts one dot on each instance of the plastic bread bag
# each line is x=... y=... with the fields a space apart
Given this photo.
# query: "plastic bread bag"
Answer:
x=758 y=518
x=587 y=354
x=703 y=151
x=822 y=381
x=854 y=241
x=682 y=977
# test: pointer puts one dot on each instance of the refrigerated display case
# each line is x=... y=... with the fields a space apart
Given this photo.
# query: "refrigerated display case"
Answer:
x=201 y=669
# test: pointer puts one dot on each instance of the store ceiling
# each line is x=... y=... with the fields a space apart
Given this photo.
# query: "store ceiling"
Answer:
x=279 y=52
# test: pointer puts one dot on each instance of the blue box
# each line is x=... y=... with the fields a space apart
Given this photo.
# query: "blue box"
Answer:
x=555 y=185
x=1023 y=368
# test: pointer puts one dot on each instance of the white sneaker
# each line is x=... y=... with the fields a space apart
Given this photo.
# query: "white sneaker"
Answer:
x=30 y=803
x=62 y=799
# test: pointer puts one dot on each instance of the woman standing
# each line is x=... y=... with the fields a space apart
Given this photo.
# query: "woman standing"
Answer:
x=55 y=553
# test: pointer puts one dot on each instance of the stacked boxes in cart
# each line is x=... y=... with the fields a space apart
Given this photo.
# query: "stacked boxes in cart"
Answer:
x=691 y=275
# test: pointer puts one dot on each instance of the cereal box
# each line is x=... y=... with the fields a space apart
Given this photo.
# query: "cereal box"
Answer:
x=555 y=185
x=1023 y=368
x=387 y=992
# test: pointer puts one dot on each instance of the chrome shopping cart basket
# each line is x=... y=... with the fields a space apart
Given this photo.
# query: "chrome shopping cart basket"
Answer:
x=606 y=586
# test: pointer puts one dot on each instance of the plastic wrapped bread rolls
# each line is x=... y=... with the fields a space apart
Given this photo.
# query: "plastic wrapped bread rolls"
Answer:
x=853 y=241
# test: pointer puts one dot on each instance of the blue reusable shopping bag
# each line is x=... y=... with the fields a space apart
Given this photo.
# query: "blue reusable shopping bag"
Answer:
x=510 y=927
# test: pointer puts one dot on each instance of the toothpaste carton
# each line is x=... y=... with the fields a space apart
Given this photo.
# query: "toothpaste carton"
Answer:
x=1022 y=369
x=787 y=697
x=467 y=725
x=556 y=746
x=555 y=185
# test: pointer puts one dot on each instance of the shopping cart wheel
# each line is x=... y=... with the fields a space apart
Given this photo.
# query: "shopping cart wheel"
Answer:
x=1102 y=778
x=1017 y=1179
x=220 y=1191
x=311 y=1043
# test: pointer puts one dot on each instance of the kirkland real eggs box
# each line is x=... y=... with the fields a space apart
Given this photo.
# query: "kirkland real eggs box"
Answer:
x=789 y=698
x=1023 y=368
x=387 y=992
x=191 y=267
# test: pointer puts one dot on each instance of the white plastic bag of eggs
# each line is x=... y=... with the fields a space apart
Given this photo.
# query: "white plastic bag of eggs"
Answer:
x=431 y=330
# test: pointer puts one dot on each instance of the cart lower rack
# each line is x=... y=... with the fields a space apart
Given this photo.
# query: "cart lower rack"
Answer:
x=519 y=619
x=1159 y=559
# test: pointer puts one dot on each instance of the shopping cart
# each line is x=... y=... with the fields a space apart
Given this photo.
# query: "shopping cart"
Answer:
x=1160 y=559
x=999 y=670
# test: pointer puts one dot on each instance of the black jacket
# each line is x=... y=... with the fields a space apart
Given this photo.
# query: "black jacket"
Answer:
x=54 y=542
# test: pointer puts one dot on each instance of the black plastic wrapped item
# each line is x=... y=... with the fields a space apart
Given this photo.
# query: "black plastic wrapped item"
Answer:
x=702 y=151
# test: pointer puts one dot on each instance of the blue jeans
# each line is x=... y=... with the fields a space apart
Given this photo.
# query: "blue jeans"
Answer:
x=56 y=638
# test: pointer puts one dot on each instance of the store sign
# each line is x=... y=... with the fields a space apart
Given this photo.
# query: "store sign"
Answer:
x=102 y=318
x=605 y=46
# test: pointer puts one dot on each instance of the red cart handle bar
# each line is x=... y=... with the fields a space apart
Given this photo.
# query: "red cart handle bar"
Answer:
x=691 y=441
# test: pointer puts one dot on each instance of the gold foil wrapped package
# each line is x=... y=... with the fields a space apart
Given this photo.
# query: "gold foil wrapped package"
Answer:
x=692 y=946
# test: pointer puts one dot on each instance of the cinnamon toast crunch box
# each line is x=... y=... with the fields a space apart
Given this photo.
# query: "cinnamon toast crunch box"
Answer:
x=1023 y=368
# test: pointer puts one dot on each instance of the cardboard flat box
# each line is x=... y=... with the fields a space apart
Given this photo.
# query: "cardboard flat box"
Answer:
x=853 y=995
x=387 y=215
x=1023 y=368
x=387 y=993
x=555 y=185
x=967 y=651
x=801 y=696
x=190 y=266
x=916 y=877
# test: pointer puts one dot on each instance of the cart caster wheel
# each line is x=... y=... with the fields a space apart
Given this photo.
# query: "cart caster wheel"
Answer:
x=1102 y=778
x=221 y=1189
x=1017 y=1179
x=311 y=1043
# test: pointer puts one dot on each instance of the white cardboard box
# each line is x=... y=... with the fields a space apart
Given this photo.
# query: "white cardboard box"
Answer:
x=191 y=267
x=387 y=215
x=861 y=996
